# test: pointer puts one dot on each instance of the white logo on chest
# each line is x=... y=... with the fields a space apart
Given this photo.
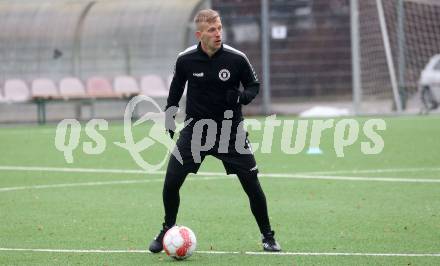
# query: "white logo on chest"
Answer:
x=199 y=75
x=224 y=74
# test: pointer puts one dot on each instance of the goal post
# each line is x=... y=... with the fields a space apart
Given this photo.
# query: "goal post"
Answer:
x=392 y=41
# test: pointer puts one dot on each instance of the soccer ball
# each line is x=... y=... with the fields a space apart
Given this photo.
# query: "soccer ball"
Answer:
x=179 y=242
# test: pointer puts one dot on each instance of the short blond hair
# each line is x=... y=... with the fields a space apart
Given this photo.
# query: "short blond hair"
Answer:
x=205 y=16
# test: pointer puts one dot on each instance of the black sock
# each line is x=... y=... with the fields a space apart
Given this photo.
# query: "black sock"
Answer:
x=257 y=200
x=171 y=197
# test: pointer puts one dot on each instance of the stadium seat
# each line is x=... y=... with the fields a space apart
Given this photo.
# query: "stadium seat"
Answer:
x=44 y=89
x=72 y=88
x=99 y=87
x=153 y=86
x=16 y=90
x=125 y=86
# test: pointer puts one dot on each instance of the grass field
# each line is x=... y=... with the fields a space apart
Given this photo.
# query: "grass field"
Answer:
x=381 y=209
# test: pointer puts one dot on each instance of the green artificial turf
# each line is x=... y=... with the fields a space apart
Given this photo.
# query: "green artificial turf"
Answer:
x=318 y=221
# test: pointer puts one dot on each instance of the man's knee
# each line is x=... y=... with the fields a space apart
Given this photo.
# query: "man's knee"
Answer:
x=249 y=181
x=173 y=181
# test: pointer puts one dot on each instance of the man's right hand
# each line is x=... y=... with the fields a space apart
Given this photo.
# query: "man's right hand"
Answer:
x=170 y=123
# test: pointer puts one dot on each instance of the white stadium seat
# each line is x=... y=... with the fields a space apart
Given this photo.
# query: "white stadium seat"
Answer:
x=72 y=88
x=153 y=86
x=125 y=85
x=16 y=90
x=44 y=88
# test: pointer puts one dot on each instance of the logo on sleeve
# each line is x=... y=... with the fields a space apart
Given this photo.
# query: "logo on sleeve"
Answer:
x=199 y=75
x=224 y=74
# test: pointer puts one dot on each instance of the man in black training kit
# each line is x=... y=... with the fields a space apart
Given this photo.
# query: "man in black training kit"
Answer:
x=214 y=72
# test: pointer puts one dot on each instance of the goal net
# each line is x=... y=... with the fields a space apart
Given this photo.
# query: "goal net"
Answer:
x=397 y=38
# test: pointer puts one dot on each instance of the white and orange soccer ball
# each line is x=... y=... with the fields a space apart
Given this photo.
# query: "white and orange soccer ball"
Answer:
x=179 y=242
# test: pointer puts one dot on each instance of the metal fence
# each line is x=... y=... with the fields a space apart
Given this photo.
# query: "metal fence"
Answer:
x=309 y=44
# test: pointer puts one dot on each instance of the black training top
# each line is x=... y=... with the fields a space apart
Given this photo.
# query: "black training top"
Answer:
x=210 y=79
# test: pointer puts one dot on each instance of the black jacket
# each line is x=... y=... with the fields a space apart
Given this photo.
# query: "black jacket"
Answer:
x=213 y=83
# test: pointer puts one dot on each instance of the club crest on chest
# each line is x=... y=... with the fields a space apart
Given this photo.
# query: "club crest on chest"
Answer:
x=224 y=74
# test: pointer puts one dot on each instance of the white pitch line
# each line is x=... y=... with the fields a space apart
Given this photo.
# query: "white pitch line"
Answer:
x=310 y=175
x=134 y=171
x=101 y=183
x=79 y=184
x=35 y=130
x=375 y=171
x=346 y=254
x=123 y=182
x=260 y=253
x=355 y=178
x=73 y=250
x=78 y=170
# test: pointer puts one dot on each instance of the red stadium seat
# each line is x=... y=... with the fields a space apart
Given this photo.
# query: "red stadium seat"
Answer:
x=125 y=86
x=72 y=88
x=99 y=87
x=16 y=90
x=44 y=88
x=153 y=86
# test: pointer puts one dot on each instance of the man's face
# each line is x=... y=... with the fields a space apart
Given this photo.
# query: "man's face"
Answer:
x=210 y=35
